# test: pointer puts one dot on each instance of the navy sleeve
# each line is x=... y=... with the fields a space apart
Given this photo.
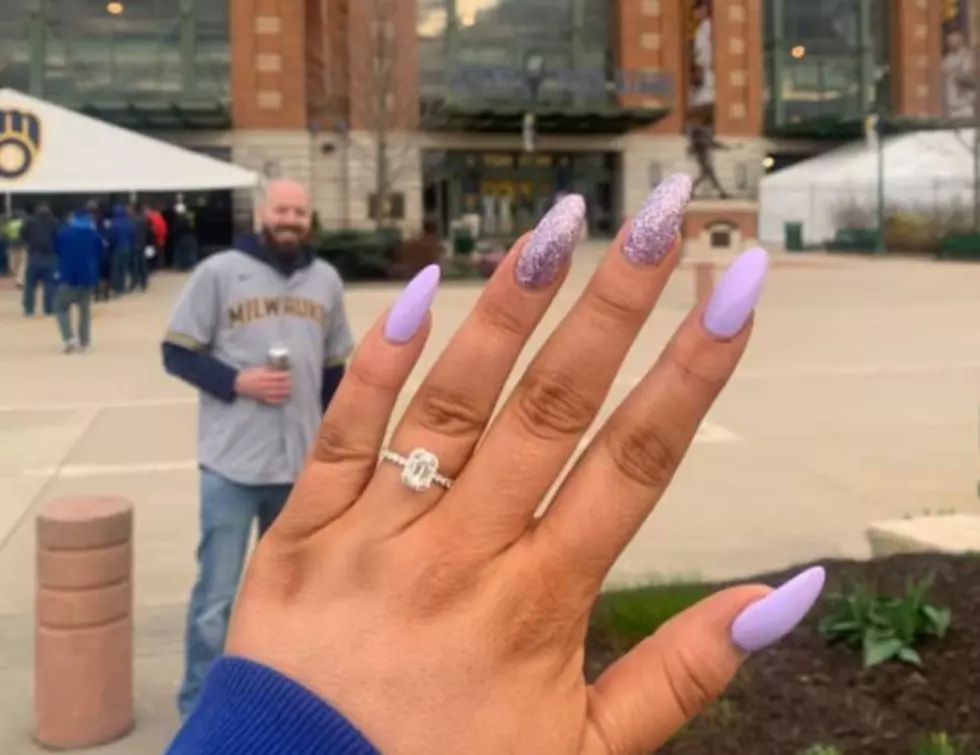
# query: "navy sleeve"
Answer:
x=201 y=370
x=249 y=709
x=332 y=375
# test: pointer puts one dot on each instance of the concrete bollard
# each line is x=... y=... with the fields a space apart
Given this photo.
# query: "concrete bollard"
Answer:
x=83 y=666
x=704 y=280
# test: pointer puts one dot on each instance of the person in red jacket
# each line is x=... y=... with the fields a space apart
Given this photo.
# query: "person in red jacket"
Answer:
x=158 y=233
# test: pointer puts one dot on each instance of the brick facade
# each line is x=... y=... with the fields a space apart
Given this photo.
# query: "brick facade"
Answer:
x=916 y=53
x=268 y=64
x=305 y=91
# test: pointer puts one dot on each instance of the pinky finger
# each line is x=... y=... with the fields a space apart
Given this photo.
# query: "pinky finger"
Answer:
x=346 y=450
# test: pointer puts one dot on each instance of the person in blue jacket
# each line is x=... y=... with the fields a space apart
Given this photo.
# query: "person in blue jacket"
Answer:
x=121 y=237
x=78 y=247
x=416 y=598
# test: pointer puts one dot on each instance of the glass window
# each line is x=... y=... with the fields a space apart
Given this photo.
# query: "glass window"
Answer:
x=486 y=50
x=15 y=45
x=130 y=51
x=817 y=59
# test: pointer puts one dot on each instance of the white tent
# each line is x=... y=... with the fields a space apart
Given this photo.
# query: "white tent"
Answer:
x=47 y=149
x=930 y=171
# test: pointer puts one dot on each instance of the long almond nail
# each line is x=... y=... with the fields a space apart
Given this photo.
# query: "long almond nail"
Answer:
x=552 y=243
x=767 y=621
x=409 y=311
x=658 y=222
x=737 y=294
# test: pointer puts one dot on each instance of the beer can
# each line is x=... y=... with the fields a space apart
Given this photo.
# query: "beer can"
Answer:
x=279 y=358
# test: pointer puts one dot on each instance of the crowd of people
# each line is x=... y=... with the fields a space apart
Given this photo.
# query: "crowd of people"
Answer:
x=91 y=253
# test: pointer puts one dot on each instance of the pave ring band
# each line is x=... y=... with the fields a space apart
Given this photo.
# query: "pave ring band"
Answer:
x=420 y=469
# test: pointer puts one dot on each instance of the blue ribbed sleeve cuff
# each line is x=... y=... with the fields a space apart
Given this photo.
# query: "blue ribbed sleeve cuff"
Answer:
x=249 y=709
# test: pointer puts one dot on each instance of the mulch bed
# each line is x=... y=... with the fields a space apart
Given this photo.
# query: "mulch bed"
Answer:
x=804 y=692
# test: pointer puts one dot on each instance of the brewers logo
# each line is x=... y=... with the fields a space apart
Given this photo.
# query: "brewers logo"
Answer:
x=20 y=143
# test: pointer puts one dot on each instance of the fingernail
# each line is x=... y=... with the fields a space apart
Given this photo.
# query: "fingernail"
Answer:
x=736 y=294
x=769 y=620
x=551 y=243
x=658 y=222
x=409 y=311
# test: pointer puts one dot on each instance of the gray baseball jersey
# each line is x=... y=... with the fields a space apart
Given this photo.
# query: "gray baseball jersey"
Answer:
x=235 y=307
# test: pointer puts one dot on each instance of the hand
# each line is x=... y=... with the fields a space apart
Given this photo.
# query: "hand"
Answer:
x=453 y=621
x=264 y=385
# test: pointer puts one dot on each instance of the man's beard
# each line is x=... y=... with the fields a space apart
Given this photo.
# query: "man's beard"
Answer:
x=288 y=248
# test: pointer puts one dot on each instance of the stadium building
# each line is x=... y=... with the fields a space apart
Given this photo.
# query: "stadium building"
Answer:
x=488 y=107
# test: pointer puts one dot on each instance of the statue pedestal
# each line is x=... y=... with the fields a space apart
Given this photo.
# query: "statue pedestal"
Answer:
x=720 y=226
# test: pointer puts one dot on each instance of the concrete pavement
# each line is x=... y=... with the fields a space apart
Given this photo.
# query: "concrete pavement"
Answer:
x=857 y=401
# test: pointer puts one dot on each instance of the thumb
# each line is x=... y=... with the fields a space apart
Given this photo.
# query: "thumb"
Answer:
x=644 y=698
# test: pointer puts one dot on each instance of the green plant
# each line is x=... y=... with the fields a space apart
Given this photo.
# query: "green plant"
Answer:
x=884 y=627
x=941 y=743
x=819 y=749
x=625 y=617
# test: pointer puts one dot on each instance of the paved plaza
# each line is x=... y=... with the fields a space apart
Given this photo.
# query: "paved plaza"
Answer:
x=856 y=401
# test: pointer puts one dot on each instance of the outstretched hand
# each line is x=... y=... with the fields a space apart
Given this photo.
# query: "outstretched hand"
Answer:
x=453 y=620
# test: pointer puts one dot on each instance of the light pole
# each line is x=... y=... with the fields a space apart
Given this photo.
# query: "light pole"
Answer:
x=534 y=74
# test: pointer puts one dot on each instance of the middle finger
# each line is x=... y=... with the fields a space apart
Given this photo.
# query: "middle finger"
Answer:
x=559 y=396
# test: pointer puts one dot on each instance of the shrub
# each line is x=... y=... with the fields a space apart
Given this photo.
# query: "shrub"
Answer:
x=942 y=743
x=625 y=617
x=885 y=628
x=819 y=749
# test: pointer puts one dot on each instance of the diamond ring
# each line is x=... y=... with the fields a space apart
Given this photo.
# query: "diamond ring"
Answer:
x=420 y=469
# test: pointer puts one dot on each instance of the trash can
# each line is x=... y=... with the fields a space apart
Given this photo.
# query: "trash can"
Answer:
x=794 y=237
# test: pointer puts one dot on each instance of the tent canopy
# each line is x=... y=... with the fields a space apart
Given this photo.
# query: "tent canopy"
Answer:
x=924 y=170
x=48 y=149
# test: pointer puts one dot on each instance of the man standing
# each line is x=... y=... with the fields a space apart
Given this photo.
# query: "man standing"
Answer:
x=258 y=416
x=121 y=237
x=79 y=249
x=12 y=228
x=38 y=234
x=142 y=243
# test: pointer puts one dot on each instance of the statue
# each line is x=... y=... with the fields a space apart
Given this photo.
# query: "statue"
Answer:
x=701 y=143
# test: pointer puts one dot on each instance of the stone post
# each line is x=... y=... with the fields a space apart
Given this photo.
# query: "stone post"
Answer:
x=83 y=667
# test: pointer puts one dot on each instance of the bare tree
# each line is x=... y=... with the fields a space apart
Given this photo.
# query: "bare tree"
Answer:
x=366 y=70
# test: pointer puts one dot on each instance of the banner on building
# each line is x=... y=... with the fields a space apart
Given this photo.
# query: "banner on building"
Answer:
x=700 y=63
x=959 y=76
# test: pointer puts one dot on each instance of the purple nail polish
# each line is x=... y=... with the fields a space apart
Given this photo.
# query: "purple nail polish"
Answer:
x=409 y=311
x=736 y=294
x=767 y=621
x=551 y=243
x=658 y=222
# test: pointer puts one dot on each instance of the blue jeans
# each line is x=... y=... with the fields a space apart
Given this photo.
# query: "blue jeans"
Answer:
x=39 y=273
x=227 y=513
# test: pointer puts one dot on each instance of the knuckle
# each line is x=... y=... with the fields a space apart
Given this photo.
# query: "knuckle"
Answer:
x=693 y=684
x=691 y=373
x=502 y=318
x=615 y=307
x=549 y=407
x=334 y=445
x=449 y=412
x=644 y=454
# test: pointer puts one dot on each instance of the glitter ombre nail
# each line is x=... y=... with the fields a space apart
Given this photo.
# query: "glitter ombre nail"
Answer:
x=658 y=222
x=551 y=243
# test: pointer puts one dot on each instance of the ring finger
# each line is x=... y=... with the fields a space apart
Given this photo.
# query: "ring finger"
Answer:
x=450 y=411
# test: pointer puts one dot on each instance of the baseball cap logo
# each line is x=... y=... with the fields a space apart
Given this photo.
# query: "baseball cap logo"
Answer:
x=20 y=143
